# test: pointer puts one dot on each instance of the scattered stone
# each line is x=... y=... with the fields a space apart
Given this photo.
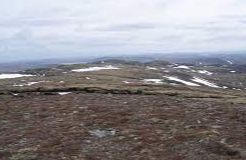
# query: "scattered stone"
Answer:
x=102 y=133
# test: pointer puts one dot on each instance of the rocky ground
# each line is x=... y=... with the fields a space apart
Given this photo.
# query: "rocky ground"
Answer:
x=98 y=116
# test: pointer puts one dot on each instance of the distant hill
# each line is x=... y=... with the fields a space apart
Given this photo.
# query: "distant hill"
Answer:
x=158 y=59
x=117 y=61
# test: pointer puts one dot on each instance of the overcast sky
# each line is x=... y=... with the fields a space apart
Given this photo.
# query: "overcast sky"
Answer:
x=59 y=28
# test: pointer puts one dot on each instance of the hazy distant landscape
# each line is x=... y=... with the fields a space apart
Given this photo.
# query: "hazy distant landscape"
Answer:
x=185 y=58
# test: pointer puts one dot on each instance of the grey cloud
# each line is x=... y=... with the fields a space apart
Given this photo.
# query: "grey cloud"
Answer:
x=171 y=38
x=32 y=22
x=127 y=27
x=227 y=38
x=116 y=26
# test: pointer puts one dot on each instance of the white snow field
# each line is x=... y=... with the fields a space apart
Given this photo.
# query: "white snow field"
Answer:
x=9 y=76
x=90 y=69
x=181 y=81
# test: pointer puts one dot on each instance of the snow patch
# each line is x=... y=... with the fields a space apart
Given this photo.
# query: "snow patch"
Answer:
x=182 y=67
x=28 y=84
x=233 y=71
x=18 y=85
x=127 y=82
x=204 y=82
x=181 y=81
x=95 y=69
x=205 y=72
x=155 y=81
x=228 y=61
x=8 y=76
x=151 y=68
x=32 y=83
x=63 y=93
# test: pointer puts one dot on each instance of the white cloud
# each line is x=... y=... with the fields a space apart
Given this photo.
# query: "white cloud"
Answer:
x=120 y=26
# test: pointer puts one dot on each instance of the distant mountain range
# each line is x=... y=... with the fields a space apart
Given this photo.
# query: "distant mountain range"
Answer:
x=217 y=59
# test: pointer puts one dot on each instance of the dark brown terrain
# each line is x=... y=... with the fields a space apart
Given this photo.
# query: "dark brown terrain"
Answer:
x=118 y=115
